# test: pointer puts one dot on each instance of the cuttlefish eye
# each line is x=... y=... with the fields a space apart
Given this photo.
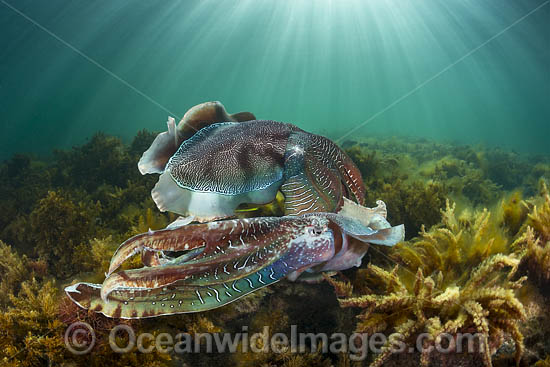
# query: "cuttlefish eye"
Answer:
x=316 y=229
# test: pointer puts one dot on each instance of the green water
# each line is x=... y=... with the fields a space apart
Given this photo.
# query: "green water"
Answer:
x=443 y=69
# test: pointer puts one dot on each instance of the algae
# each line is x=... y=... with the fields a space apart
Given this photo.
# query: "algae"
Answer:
x=460 y=268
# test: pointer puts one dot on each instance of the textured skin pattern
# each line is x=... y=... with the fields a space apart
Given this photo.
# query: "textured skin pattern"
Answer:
x=238 y=257
x=328 y=154
x=224 y=261
x=318 y=175
x=232 y=158
x=155 y=158
x=236 y=158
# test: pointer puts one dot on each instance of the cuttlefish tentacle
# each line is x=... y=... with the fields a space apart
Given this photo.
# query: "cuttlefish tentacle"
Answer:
x=211 y=281
x=228 y=236
x=234 y=254
x=152 y=258
x=237 y=257
x=134 y=303
x=201 y=270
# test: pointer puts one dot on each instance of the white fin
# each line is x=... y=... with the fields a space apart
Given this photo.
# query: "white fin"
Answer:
x=180 y=222
x=163 y=147
x=204 y=206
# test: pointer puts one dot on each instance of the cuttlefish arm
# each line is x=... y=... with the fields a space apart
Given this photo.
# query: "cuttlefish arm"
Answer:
x=232 y=258
x=318 y=176
x=361 y=226
x=134 y=303
x=211 y=279
x=155 y=158
x=228 y=236
x=330 y=155
x=216 y=262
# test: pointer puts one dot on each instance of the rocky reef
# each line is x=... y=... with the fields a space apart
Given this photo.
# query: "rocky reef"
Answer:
x=476 y=259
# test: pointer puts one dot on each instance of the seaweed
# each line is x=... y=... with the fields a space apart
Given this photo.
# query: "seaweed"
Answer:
x=504 y=168
x=65 y=215
x=536 y=258
x=539 y=218
x=103 y=158
x=30 y=329
x=462 y=179
x=484 y=303
x=543 y=363
x=94 y=256
x=57 y=226
x=13 y=271
x=514 y=212
x=456 y=245
x=481 y=174
x=366 y=161
x=102 y=353
x=460 y=276
x=534 y=242
x=23 y=181
x=411 y=200
x=411 y=203
x=150 y=220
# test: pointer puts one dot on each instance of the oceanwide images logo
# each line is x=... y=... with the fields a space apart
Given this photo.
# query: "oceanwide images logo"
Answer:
x=80 y=339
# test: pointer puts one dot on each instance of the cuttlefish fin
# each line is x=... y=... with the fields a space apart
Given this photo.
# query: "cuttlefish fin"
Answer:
x=163 y=147
x=155 y=158
x=177 y=298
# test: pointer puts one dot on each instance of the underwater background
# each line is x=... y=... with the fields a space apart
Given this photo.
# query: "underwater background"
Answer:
x=442 y=105
x=326 y=66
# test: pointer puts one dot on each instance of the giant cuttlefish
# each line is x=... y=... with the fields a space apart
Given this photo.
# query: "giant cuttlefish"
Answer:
x=225 y=260
x=212 y=162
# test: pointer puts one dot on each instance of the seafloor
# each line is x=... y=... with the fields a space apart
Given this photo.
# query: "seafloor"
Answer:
x=476 y=258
